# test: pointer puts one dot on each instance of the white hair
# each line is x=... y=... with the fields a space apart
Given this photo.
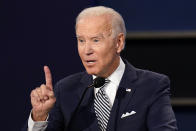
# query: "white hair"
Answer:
x=117 y=22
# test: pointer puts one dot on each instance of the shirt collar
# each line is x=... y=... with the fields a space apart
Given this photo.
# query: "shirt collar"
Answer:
x=116 y=76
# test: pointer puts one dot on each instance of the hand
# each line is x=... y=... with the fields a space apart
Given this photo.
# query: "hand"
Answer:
x=42 y=98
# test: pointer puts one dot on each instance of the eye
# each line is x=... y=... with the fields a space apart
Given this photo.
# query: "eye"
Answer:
x=81 y=40
x=95 y=40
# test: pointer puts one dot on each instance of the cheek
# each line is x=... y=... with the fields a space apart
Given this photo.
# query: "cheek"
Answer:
x=80 y=52
x=108 y=53
x=106 y=58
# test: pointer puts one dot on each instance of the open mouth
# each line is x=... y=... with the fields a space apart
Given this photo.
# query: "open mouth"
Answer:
x=90 y=61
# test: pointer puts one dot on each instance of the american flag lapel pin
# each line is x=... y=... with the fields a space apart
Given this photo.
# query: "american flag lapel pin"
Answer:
x=128 y=90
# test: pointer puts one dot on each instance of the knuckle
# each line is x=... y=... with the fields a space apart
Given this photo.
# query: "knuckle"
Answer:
x=33 y=92
x=42 y=86
x=38 y=90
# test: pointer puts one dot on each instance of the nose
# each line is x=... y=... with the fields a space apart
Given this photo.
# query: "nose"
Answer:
x=88 y=49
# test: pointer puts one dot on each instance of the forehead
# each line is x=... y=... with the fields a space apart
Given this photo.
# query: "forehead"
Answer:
x=93 y=25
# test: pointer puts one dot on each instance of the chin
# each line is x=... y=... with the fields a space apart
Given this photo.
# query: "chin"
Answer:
x=91 y=72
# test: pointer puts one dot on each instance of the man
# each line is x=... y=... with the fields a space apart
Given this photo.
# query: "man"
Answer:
x=131 y=100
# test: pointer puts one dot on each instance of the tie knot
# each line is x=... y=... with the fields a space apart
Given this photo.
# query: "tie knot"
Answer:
x=99 y=82
x=102 y=89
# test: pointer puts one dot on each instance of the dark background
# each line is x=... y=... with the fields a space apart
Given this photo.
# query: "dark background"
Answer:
x=41 y=32
x=171 y=56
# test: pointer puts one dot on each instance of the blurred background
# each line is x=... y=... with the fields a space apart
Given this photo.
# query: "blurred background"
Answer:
x=161 y=37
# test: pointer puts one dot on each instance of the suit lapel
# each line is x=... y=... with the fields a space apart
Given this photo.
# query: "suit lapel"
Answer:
x=87 y=80
x=88 y=100
x=123 y=96
x=126 y=88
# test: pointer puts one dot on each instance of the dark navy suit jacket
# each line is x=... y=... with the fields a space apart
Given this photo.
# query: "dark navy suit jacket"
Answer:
x=149 y=97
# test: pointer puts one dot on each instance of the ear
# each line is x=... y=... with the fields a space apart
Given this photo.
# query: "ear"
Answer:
x=120 y=42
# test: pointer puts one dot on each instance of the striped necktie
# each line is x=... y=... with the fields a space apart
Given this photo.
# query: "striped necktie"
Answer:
x=102 y=109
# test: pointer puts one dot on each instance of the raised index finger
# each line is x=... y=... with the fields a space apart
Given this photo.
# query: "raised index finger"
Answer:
x=48 y=77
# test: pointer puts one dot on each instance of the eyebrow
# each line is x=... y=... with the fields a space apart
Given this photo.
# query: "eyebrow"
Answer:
x=92 y=37
x=98 y=36
x=77 y=36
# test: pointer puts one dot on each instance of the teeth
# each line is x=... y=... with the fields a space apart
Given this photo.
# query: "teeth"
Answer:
x=90 y=61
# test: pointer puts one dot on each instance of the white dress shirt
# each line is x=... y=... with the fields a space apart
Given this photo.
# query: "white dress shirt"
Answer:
x=110 y=89
x=36 y=125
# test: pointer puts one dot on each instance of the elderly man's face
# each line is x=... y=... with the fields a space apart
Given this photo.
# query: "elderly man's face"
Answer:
x=98 y=50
